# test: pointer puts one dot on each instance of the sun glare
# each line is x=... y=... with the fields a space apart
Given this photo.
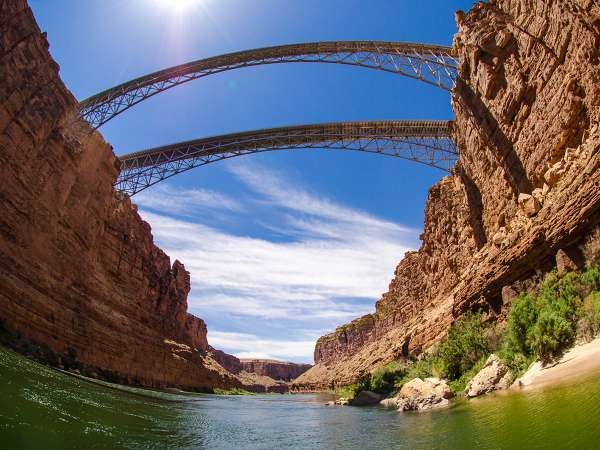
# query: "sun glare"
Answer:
x=178 y=5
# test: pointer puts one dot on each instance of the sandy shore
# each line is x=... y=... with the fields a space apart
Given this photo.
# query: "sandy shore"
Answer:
x=580 y=360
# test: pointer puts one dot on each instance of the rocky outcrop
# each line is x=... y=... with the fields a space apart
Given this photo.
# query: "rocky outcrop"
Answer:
x=527 y=107
x=420 y=395
x=260 y=383
x=494 y=376
x=82 y=284
x=346 y=339
x=366 y=398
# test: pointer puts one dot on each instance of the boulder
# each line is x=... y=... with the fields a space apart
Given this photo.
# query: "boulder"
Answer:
x=494 y=375
x=366 y=398
x=538 y=194
x=499 y=237
x=529 y=204
x=418 y=395
x=554 y=173
x=569 y=260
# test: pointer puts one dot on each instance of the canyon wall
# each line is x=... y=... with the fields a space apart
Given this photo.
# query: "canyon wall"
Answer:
x=82 y=285
x=524 y=197
x=278 y=370
x=261 y=375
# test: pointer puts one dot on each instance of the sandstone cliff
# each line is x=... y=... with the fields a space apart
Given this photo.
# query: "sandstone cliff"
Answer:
x=82 y=284
x=278 y=370
x=260 y=375
x=527 y=107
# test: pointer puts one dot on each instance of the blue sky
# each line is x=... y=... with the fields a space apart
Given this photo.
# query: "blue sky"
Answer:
x=285 y=246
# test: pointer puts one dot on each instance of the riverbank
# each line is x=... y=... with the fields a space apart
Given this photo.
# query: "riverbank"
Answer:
x=579 y=361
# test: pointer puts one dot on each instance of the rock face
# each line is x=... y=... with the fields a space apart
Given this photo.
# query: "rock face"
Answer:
x=229 y=362
x=527 y=107
x=82 y=284
x=419 y=395
x=278 y=370
x=260 y=375
x=492 y=377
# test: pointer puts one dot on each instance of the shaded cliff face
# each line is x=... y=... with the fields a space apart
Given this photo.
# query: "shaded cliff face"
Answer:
x=527 y=106
x=80 y=276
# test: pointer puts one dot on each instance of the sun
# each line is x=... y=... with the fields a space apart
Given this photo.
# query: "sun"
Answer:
x=178 y=5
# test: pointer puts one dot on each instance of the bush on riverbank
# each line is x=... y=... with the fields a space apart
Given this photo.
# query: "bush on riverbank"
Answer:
x=382 y=381
x=544 y=325
x=539 y=325
x=459 y=357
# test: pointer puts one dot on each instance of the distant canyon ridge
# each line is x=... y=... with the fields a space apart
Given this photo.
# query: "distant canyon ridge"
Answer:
x=84 y=287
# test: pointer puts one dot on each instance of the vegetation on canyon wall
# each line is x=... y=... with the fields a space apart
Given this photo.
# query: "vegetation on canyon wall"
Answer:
x=540 y=325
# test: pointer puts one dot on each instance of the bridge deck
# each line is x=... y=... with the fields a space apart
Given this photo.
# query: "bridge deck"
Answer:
x=431 y=64
x=426 y=142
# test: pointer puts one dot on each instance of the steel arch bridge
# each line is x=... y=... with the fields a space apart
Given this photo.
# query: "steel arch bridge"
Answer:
x=426 y=142
x=432 y=64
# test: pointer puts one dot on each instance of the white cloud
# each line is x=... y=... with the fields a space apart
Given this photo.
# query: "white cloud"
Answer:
x=245 y=345
x=333 y=255
x=167 y=199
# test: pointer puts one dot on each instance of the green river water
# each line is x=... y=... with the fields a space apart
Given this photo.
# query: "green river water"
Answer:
x=41 y=408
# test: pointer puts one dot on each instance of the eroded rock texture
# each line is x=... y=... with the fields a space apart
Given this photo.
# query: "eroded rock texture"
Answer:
x=80 y=276
x=527 y=106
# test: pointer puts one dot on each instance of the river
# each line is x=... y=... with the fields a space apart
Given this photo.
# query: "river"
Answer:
x=41 y=408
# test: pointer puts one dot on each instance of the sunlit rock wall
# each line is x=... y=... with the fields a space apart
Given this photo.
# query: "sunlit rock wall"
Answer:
x=82 y=284
x=527 y=107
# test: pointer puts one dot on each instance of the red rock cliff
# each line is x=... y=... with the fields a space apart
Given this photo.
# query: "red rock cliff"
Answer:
x=278 y=370
x=527 y=106
x=80 y=276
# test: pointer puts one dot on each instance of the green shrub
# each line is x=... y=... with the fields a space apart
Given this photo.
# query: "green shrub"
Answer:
x=384 y=379
x=595 y=299
x=466 y=345
x=427 y=366
x=591 y=277
x=544 y=326
x=569 y=292
x=552 y=333
x=460 y=384
x=348 y=391
x=521 y=319
x=588 y=325
x=516 y=361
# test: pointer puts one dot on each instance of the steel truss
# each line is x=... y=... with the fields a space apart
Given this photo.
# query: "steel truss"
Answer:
x=425 y=142
x=432 y=64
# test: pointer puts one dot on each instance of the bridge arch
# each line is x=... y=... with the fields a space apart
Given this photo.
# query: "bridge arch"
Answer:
x=431 y=64
x=425 y=142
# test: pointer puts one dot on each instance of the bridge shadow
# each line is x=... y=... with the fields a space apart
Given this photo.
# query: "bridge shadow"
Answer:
x=475 y=207
x=491 y=133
